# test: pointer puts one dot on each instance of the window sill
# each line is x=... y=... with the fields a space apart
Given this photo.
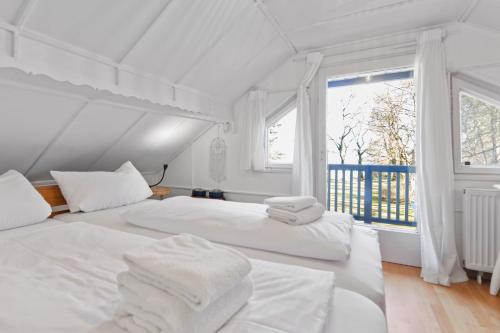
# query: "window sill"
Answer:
x=276 y=170
x=389 y=228
x=477 y=170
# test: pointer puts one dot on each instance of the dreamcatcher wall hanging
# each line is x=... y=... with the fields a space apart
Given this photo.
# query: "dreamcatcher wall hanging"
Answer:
x=218 y=158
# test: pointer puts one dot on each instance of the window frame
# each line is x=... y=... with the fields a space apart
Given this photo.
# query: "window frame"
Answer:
x=285 y=108
x=481 y=90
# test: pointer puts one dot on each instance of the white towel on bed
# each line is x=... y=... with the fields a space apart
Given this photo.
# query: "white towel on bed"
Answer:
x=157 y=310
x=292 y=204
x=303 y=216
x=131 y=324
x=189 y=267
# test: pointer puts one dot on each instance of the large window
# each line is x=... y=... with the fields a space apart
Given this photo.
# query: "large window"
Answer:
x=371 y=119
x=280 y=132
x=477 y=128
x=370 y=137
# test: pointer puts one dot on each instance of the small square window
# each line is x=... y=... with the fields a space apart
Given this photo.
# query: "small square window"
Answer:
x=477 y=128
x=280 y=138
x=479 y=131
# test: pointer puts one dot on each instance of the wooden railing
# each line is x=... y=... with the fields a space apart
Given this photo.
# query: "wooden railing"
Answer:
x=373 y=193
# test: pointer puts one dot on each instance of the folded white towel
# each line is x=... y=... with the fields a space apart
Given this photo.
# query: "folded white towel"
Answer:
x=303 y=216
x=129 y=323
x=292 y=204
x=497 y=186
x=189 y=267
x=160 y=311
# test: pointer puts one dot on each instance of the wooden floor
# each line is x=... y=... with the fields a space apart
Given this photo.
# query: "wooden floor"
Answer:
x=416 y=306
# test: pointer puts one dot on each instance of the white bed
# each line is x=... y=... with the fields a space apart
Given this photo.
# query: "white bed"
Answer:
x=361 y=273
x=56 y=277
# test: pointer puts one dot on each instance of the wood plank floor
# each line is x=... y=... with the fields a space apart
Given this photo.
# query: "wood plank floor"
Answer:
x=416 y=306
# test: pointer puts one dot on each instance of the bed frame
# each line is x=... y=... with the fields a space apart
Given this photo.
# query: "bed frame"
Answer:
x=52 y=194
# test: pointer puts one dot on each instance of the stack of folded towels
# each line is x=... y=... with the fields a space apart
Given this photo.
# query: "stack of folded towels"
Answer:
x=294 y=210
x=182 y=284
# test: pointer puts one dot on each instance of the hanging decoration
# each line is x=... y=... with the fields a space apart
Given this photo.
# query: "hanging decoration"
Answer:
x=218 y=158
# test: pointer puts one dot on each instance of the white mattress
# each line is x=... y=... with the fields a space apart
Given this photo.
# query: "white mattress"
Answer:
x=362 y=273
x=350 y=312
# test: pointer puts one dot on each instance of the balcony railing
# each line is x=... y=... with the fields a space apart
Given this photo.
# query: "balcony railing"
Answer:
x=373 y=193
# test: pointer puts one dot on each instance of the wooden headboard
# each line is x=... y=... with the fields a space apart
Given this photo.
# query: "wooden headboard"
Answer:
x=52 y=194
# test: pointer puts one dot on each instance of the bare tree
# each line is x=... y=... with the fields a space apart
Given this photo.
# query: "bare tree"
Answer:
x=342 y=141
x=274 y=153
x=359 y=133
x=480 y=127
x=392 y=121
x=360 y=142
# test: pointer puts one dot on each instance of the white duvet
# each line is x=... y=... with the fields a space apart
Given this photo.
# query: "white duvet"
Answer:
x=247 y=225
x=63 y=279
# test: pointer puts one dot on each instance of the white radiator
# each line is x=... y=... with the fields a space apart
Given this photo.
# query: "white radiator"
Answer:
x=481 y=229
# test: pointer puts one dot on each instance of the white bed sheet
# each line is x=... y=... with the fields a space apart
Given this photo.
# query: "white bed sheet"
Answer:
x=361 y=273
x=84 y=302
x=247 y=225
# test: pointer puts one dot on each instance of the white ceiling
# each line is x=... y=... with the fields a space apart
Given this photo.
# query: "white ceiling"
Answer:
x=221 y=47
x=46 y=129
x=218 y=48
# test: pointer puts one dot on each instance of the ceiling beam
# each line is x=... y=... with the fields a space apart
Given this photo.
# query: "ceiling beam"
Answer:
x=117 y=141
x=100 y=98
x=213 y=45
x=354 y=14
x=411 y=33
x=179 y=151
x=146 y=31
x=477 y=66
x=19 y=21
x=58 y=135
x=77 y=51
x=24 y=12
x=200 y=59
x=276 y=25
x=271 y=68
x=467 y=12
x=171 y=111
x=483 y=28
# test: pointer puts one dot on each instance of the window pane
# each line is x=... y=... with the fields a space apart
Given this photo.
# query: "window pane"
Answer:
x=281 y=136
x=479 y=131
x=372 y=119
x=371 y=125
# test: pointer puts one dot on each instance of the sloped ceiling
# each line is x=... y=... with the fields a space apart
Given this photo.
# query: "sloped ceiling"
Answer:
x=44 y=129
x=221 y=47
x=133 y=79
x=482 y=19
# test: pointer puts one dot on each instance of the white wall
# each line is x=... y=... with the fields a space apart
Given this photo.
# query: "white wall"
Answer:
x=191 y=168
x=468 y=50
x=475 y=52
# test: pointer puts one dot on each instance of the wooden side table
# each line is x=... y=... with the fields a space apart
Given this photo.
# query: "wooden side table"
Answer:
x=160 y=192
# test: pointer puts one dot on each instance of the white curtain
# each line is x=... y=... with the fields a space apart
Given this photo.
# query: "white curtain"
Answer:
x=435 y=194
x=253 y=126
x=302 y=175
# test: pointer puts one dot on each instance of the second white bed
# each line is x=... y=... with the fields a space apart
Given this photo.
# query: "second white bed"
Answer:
x=63 y=278
x=361 y=273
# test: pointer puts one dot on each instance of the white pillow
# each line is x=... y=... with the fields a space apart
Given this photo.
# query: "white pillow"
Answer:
x=90 y=191
x=20 y=203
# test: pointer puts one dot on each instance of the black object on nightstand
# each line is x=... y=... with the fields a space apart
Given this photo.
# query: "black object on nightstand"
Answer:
x=199 y=193
x=216 y=194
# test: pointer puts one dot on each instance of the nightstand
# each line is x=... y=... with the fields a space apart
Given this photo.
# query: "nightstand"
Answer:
x=160 y=192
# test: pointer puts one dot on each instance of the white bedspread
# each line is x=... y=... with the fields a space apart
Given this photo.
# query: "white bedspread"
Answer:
x=247 y=224
x=63 y=279
x=361 y=273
